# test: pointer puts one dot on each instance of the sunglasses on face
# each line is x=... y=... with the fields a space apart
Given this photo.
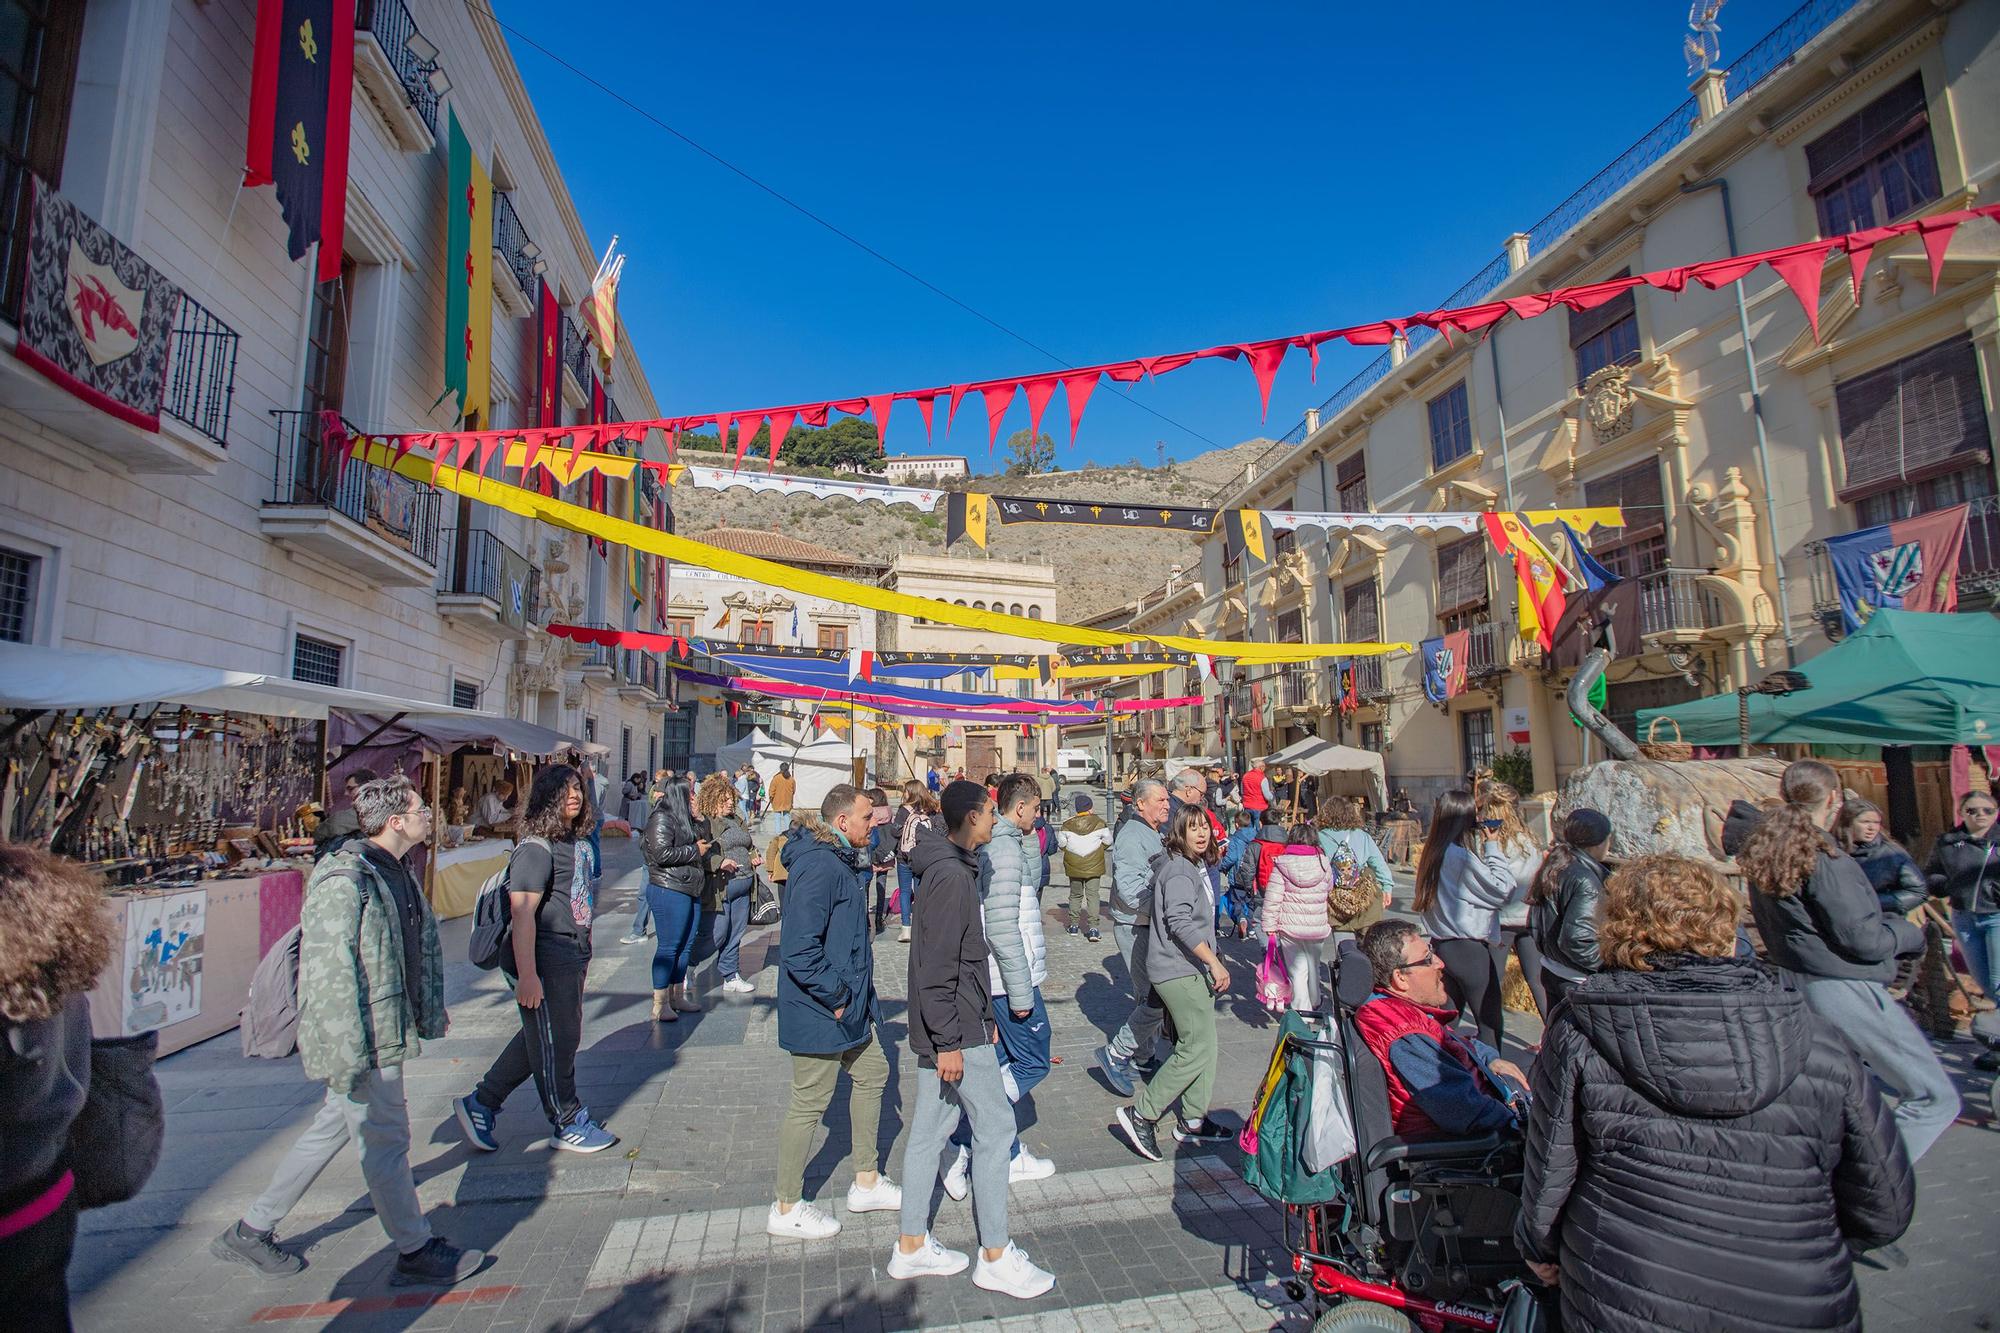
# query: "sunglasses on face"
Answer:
x=1430 y=959
x=1490 y=823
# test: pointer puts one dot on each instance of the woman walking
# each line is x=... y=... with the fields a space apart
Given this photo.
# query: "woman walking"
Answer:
x=1704 y=1151
x=549 y=878
x=675 y=851
x=1459 y=894
x=1295 y=912
x=728 y=872
x=1186 y=974
x=1562 y=905
x=1965 y=870
x=1820 y=919
x=1500 y=820
x=918 y=813
x=1363 y=887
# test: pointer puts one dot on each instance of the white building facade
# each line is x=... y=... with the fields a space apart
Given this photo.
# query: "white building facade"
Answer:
x=224 y=538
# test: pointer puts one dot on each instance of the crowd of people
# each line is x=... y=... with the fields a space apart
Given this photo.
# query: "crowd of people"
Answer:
x=1675 y=1065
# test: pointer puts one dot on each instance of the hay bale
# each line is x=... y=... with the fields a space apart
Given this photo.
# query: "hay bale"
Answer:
x=1514 y=992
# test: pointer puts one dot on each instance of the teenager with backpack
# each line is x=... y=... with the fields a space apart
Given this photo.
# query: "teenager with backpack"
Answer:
x=550 y=907
x=371 y=989
x=1295 y=912
x=1238 y=868
x=1362 y=887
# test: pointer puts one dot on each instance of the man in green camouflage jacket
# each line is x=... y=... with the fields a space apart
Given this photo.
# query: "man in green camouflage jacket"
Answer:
x=371 y=986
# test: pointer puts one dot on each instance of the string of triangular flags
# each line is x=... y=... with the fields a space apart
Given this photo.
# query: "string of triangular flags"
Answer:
x=1799 y=266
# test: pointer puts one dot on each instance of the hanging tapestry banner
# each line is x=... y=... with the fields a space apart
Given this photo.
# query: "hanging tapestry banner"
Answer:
x=968 y=515
x=782 y=483
x=95 y=317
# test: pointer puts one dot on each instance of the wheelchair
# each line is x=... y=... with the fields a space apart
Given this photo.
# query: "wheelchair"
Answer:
x=1422 y=1235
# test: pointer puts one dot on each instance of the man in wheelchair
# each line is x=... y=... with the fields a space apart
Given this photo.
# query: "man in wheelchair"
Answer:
x=1441 y=1084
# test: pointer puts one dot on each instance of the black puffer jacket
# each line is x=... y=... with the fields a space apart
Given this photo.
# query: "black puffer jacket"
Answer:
x=1899 y=886
x=1702 y=1148
x=1833 y=926
x=673 y=856
x=1966 y=870
x=1565 y=925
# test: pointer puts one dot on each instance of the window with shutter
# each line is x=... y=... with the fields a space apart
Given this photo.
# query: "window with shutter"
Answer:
x=1640 y=547
x=1350 y=481
x=1876 y=165
x=1605 y=335
x=1909 y=422
x=1462 y=576
x=1291 y=627
x=1451 y=426
x=1361 y=613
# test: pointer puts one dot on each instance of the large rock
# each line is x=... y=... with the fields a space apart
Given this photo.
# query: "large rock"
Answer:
x=1660 y=805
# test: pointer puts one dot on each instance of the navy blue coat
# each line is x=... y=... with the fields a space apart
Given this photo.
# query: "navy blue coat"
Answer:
x=826 y=953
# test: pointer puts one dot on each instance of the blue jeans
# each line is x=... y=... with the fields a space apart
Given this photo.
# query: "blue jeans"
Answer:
x=1233 y=906
x=597 y=848
x=1979 y=939
x=906 y=886
x=644 y=913
x=728 y=929
x=674 y=917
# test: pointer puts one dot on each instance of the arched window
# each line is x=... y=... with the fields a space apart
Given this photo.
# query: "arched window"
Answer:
x=1034 y=613
x=958 y=601
x=1014 y=610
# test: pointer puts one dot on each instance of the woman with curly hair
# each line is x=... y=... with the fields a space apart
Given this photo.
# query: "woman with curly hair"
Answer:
x=1352 y=853
x=54 y=940
x=1821 y=920
x=1703 y=1151
x=728 y=875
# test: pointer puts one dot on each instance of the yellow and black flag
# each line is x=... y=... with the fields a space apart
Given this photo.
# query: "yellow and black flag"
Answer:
x=1245 y=534
x=969 y=514
x=301 y=95
x=965 y=516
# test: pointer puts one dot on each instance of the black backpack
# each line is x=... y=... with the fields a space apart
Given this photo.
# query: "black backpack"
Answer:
x=491 y=915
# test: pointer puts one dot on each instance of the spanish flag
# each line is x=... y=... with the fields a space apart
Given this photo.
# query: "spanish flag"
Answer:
x=1541 y=591
x=468 y=287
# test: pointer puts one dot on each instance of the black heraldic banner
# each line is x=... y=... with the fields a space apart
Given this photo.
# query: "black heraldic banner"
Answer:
x=968 y=514
x=95 y=317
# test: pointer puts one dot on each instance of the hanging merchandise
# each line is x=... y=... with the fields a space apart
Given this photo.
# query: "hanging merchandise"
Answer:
x=301 y=95
x=375 y=451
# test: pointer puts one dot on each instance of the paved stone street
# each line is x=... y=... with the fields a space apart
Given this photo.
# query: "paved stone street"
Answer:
x=666 y=1229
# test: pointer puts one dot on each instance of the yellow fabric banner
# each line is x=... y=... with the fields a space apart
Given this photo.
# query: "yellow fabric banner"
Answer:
x=556 y=460
x=1583 y=520
x=771 y=574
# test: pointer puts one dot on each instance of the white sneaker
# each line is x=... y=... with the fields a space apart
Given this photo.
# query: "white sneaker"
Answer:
x=806 y=1221
x=1027 y=1166
x=738 y=986
x=885 y=1196
x=930 y=1260
x=956 y=1180
x=904 y=938
x=1012 y=1275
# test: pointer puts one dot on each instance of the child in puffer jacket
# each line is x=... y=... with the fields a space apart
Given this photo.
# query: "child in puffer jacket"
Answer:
x=1295 y=911
x=1234 y=903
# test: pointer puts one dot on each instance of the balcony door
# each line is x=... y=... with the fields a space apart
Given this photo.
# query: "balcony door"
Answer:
x=39 y=40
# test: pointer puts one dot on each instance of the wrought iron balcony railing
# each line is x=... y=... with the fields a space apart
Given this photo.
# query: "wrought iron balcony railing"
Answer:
x=511 y=239
x=475 y=563
x=309 y=472
x=390 y=22
x=201 y=370
x=576 y=352
x=1978 y=566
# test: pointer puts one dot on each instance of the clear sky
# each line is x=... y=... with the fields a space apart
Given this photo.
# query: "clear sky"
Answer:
x=1106 y=180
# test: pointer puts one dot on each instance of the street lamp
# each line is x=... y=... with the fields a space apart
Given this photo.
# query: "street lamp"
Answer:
x=1776 y=684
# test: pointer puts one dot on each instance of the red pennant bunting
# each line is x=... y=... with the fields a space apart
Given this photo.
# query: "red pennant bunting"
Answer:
x=1673 y=280
x=1157 y=366
x=1936 y=233
x=951 y=408
x=878 y=407
x=1861 y=245
x=1126 y=372
x=1591 y=295
x=1721 y=272
x=781 y=425
x=575 y=448
x=854 y=407
x=722 y=437
x=1265 y=358
x=1529 y=306
x=999 y=397
x=1379 y=334
x=465 y=448
x=487 y=448
x=1801 y=270
x=1077 y=390
x=1040 y=390
x=926 y=402
x=814 y=415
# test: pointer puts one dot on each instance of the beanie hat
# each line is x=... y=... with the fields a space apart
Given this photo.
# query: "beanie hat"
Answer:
x=960 y=799
x=1082 y=803
x=1585 y=827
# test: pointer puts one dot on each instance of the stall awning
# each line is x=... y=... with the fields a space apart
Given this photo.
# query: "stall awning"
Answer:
x=33 y=676
x=1904 y=678
x=1353 y=768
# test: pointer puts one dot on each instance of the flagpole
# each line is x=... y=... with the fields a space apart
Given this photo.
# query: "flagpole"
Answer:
x=1500 y=408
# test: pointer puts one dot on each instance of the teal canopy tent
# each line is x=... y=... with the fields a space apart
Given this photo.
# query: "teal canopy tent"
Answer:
x=1904 y=678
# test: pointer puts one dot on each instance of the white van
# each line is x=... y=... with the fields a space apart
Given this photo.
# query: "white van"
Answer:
x=1078 y=766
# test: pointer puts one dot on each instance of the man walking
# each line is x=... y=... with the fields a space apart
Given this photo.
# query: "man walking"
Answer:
x=1010 y=881
x=1084 y=840
x=778 y=801
x=827 y=1011
x=371 y=987
x=958 y=1072
x=1132 y=851
x=1256 y=791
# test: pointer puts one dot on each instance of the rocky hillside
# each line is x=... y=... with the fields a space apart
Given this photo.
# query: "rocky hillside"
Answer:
x=1096 y=569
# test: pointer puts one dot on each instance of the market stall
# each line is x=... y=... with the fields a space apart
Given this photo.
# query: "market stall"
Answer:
x=1344 y=769
x=818 y=765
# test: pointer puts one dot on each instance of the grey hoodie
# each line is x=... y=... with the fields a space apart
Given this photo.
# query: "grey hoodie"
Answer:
x=1183 y=916
x=1471 y=891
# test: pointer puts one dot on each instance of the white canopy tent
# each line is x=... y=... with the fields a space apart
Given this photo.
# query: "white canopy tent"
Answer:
x=1341 y=769
x=818 y=765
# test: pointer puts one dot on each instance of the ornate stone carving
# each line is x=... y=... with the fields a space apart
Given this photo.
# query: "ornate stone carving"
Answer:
x=555 y=559
x=1608 y=400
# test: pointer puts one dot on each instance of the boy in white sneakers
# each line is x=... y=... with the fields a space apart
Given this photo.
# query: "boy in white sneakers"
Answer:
x=958 y=1072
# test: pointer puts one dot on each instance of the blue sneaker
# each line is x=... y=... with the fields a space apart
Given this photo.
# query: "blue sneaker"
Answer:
x=1117 y=1072
x=583 y=1135
x=477 y=1122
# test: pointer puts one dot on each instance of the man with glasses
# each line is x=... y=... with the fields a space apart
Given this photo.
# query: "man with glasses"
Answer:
x=1442 y=1084
x=371 y=988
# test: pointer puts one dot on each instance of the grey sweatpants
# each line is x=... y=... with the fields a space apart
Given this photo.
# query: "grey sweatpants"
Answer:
x=1893 y=1048
x=935 y=1112
x=377 y=1118
x=1136 y=1039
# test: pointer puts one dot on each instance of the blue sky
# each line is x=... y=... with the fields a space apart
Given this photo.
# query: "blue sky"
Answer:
x=1106 y=180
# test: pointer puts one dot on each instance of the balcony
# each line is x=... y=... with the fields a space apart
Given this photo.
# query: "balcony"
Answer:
x=397 y=68
x=1674 y=605
x=638 y=675
x=364 y=518
x=485 y=584
x=517 y=260
x=1370 y=679
x=1488 y=651
x=575 y=364
x=1978 y=567
x=199 y=390
x=600 y=662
